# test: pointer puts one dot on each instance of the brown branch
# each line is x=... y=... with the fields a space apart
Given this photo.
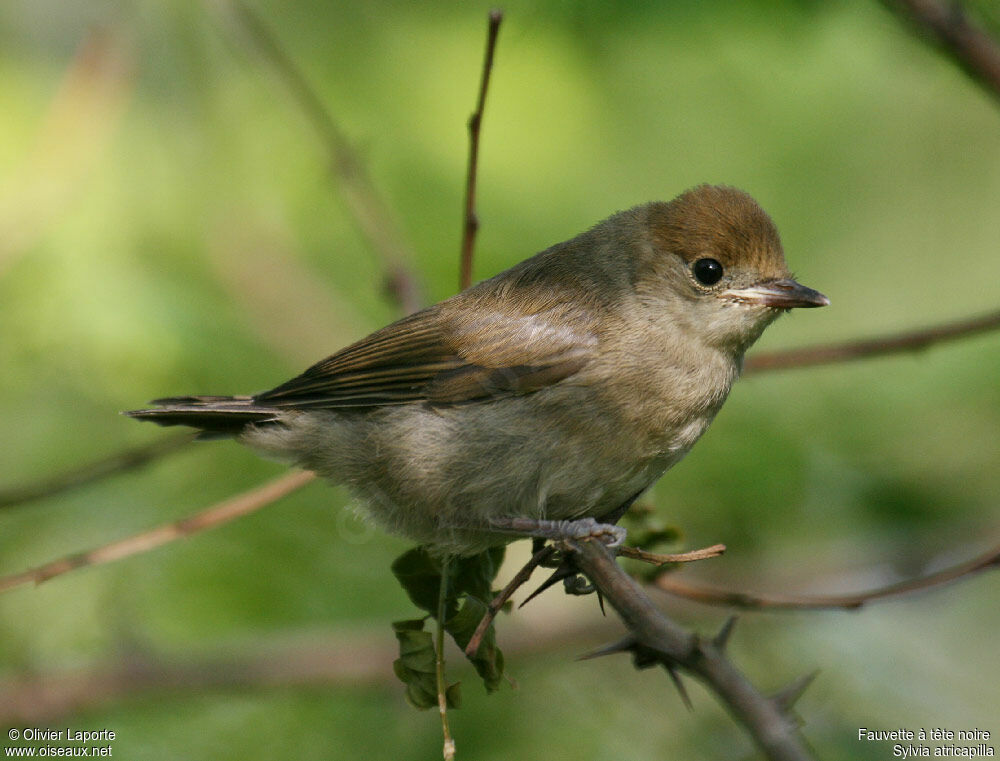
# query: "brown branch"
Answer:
x=519 y=580
x=969 y=45
x=655 y=638
x=370 y=213
x=120 y=462
x=656 y=558
x=471 y=221
x=546 y=552
x=912 y=340
x=753 y=601
x=216 y=515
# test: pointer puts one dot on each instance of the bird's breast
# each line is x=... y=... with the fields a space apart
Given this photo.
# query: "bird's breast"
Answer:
x=667 y=401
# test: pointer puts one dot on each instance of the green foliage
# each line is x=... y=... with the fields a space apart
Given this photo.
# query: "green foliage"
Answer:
x=416 y=666
x=467 y=594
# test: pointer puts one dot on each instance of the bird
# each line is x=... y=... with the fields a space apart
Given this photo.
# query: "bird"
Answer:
x=552 y=394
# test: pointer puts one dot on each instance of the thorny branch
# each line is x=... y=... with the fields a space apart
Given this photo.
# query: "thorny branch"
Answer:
x=654 y=638
x=470 y=222
x=543 y=555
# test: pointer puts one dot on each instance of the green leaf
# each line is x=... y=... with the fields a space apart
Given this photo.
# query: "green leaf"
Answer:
x=453 y=695
x=413 y=624
x=419 y=573
x=474 y=574
x=415 y=666
x=470 y=588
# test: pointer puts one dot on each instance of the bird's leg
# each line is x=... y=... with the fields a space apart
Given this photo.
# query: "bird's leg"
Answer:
x=604 y=529
x=566 y=570
x=582 y=528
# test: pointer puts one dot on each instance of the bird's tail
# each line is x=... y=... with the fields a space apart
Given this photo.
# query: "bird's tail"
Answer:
x=214 y=416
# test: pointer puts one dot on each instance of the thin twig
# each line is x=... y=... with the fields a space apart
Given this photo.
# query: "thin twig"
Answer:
x=654 y=636
x=968 y=44
x=127 y=459
x=471 y=220
x=753 y=601
x=656 y=558
x=910 y=340
x=370 y=212
x=519 y=580
x=448 y=749
x=216 y=515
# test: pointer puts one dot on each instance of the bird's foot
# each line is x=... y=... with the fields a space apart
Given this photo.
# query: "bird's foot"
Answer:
x=583 y=528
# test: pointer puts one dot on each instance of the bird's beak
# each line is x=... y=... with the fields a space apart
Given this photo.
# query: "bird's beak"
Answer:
x=780 y=294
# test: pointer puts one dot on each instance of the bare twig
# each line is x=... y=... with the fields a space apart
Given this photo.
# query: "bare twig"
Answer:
x=969 y=45
x=448 y=750
x=519 y=580
x=216 y=515
x=471 y=220
x=679 y=557
x=750 y=600
x=127 y=459
x=655 y=638
x=372 y=215
x=911 y=340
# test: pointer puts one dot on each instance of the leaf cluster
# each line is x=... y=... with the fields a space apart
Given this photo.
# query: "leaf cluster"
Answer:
x=466 y=585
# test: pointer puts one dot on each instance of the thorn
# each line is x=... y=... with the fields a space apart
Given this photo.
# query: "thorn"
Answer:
x=625 y=644
x=786 y=697
x=558 y=575
x=676 y=679
x=600 y=601
x=721 y=639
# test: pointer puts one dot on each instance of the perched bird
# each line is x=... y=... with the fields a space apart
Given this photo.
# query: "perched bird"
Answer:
x=559 y=389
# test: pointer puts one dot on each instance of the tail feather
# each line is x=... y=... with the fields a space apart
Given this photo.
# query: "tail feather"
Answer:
x=213 y=415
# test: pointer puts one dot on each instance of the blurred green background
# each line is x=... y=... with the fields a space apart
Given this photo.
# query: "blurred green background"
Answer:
x=168 y=225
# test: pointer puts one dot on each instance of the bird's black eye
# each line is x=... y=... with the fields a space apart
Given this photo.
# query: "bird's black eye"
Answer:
x=707 y=271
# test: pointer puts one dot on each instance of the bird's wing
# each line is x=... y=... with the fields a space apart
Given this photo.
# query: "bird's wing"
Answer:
x=446 y=356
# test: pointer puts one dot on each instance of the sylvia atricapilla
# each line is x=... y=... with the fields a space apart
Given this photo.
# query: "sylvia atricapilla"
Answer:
x=559 y=389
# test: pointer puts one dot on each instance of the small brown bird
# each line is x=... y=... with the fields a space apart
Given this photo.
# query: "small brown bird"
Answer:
x=560 y=389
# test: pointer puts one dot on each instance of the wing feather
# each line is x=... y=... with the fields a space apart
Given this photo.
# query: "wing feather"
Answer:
x=443 y=356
